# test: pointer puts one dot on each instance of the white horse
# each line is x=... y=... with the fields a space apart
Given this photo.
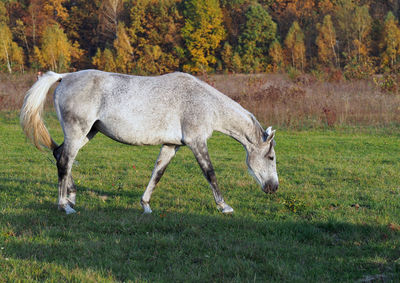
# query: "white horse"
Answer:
x=171 y=110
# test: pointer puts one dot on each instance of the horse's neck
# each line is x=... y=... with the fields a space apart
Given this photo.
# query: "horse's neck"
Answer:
x=242 y=126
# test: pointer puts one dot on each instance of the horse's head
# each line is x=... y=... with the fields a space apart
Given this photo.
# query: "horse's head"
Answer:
x=261 y=162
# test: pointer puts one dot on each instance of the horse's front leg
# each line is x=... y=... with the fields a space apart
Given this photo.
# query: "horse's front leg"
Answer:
x=200 y=151
x=71 y=192
x=167 y=152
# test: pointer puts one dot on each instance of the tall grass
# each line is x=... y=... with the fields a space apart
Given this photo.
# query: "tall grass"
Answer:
x=307 y=102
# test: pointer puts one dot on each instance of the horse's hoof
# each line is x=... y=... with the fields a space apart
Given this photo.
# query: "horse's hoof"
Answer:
x=147 y=210
x=224 y=208
x=227 y=210
x=68 y=209
x=146 y=207
x=71 y=204
x=71 y=200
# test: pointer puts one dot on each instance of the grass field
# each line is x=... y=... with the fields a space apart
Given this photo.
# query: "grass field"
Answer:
x=335 y=217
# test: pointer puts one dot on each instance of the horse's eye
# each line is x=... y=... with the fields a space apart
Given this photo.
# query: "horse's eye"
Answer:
x=270 y=157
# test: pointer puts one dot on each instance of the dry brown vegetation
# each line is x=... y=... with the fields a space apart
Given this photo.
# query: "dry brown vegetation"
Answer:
x=276 y=99
x=308 y=102
x=13 y=88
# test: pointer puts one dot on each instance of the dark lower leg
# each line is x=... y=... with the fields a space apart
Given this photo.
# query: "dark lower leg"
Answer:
x=201 y=153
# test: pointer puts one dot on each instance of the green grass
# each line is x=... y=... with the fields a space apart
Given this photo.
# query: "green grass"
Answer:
x=335 y=217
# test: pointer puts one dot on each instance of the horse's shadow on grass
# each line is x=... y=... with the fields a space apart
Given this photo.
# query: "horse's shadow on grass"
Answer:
x=127 y=245
x=19 y=186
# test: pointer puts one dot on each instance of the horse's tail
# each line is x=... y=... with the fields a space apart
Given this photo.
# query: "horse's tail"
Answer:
x=31 y=111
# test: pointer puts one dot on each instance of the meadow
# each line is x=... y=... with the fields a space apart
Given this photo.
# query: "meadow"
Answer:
x=334 y=218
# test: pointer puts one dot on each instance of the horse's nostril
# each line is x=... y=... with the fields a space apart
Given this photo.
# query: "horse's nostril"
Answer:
x=270 y=187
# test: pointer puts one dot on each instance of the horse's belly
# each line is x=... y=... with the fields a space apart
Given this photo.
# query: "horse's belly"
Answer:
x=140 y=131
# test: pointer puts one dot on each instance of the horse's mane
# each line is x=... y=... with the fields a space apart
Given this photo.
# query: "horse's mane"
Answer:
x=259 y=132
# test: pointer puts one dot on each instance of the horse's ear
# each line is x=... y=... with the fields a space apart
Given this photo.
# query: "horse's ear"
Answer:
x=268 y=131
x=270 y=134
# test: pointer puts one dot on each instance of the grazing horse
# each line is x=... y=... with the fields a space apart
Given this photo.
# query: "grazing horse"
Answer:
x=170 y=110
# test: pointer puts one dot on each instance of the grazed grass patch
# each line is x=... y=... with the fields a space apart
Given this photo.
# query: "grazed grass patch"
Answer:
x=333 y=218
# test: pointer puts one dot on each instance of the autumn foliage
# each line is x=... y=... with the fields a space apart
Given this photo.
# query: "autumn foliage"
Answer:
x=358 y=38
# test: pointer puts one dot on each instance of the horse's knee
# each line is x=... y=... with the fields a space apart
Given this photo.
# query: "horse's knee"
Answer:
x=62 y=168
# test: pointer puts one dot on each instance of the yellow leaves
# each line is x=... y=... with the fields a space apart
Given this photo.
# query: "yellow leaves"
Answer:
x=104 y=60
x=361 y=48
x=55 y=7
x=123 y=50
x=295 y=45
x=276 y=54
x=203 y=32
x=3 y=13
x=326 y=41
x=10 y=52
x=56 y=50
x=17 y=56
x=390 y=44
x=326 y=6
x=37 y=58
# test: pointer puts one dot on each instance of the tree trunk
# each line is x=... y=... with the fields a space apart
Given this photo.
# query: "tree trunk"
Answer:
x=7 y=58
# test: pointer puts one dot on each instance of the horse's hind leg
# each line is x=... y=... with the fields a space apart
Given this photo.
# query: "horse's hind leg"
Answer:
x=167 y=152
x=65 y=156
x=200 y=151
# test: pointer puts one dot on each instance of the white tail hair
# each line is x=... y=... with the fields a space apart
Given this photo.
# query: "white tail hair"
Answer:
x=31 y=111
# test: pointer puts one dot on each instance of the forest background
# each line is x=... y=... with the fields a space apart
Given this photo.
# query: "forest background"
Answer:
x=297 y=64
x=350 y=39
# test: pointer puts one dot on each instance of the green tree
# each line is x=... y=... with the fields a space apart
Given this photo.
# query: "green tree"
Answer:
x=295 y=46
x=202 y=33
x=326 y=42
x=390 y=44
x=258 y=33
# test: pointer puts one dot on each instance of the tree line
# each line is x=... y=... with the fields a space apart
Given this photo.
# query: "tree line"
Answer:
x=355 y=37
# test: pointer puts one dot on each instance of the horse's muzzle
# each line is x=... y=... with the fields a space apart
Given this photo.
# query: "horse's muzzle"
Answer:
x=270 y=187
